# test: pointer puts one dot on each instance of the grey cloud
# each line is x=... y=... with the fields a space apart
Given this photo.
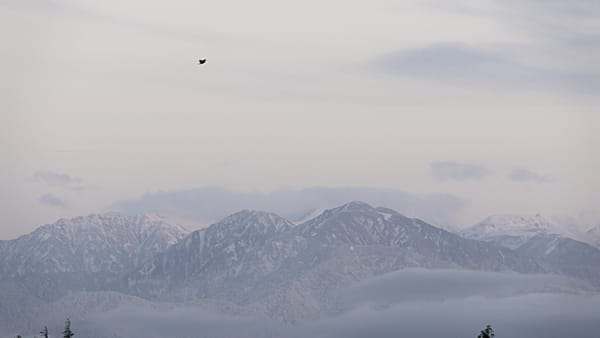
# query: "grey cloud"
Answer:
x=454 y=171
x=55 y=178
x=526 y=305
x=526 y=175
x=556 y=9
x=586 y=42
x=185 y=322
x=439 y=59
x=52 y=200
x=77 y=12
x=458 y=303
x=50 y=6
x=440 y=285
x=209 y=204
x=575 y=9
x=462 y=64
x=535 y=315
x=569 y=25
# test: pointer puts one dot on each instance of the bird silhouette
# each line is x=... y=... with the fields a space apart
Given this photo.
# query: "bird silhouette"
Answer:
x=201 y=61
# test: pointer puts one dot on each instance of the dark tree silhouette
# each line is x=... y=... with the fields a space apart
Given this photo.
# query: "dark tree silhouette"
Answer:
x=44 y=332
x=488 y=332
x=67 y=333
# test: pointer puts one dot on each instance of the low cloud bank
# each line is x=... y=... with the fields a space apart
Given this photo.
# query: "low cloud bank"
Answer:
x=209 y=204
x=129 y=321
x=533 y=315
x=413 y=303
x=423 y=285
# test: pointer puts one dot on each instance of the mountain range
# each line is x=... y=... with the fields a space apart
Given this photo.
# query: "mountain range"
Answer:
x=258 y=262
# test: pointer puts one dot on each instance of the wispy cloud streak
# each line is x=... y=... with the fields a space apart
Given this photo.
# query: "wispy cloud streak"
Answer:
x=526 y=175
x=52 y=200
x=462 y=64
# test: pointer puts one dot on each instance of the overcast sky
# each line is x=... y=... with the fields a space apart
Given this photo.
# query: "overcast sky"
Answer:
x=493 y=103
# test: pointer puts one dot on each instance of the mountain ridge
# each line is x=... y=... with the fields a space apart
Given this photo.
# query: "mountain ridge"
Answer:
x=92 y=244
x=340 y=246
x=258 y=262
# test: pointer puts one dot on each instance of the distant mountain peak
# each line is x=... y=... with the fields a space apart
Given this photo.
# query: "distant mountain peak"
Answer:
x=254 y=216
x=262 y=221
x=516 y=220
x=93 y=243
x=246 y=215
x=513 y=230
x=530 y=223
x=355 y=206
x=350 y=207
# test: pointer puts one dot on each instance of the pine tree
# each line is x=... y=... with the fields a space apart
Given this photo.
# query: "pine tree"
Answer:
x=44 y=332
x=67 y=333
x=488 y=332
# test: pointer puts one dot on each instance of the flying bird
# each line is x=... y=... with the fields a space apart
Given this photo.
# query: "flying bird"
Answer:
x=201 y=61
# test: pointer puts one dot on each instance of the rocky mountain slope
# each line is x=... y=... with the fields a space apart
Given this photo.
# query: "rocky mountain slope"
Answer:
x=84 y=253
x=90 y=244
x=565 y=256
x=552 y=245
x=260 y=259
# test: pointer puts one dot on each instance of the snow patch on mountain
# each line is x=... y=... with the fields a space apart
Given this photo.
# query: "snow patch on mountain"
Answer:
x=512 y=231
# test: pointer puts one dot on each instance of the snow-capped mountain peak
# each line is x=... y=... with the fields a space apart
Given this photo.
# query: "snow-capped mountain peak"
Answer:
x=94 y=243
x=513 y=230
